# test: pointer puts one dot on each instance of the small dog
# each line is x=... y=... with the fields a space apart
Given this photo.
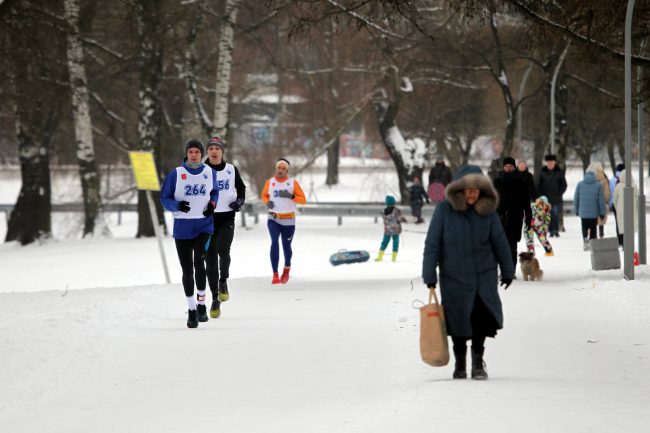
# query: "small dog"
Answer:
x=530 y=267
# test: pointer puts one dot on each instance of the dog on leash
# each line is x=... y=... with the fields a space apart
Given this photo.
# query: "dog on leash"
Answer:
x=530 y=267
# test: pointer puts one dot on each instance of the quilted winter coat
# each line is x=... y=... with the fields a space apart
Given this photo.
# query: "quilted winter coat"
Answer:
x=467 y=243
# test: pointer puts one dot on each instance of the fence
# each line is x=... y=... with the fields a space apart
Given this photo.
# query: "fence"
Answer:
x=338 y=210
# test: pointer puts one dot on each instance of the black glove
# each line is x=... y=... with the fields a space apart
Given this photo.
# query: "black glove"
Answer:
x=506 y=282
x=237 y=204
x=577 y=214
x=270 y=204
x=184 y=206
x=209 y=210
x=285 y=194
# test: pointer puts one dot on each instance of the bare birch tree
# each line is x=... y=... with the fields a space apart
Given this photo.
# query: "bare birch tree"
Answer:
x=83 y=123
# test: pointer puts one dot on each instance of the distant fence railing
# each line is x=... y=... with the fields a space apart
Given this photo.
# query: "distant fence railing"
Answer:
x=338 y=210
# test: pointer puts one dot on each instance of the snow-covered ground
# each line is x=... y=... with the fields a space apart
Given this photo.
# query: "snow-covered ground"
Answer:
x=93 y=340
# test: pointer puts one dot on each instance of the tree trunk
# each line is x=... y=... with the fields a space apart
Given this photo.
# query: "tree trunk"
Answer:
x=30 y=219
x=610 y=155
x=333 y=162
x=394 y=142
x=224 y=68
x=82 y=122
x=149 y=118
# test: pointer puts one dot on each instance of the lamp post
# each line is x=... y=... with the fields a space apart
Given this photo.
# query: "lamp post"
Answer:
x=553 y=84
x=641 y=198
x=628 y=191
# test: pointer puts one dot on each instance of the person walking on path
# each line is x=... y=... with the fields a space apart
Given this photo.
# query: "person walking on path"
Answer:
x=514 y=204
x=528 y=178
x=589 y=203
x=466 y=241
x=612 y=186
x=281 y=194
x=539 y=226
x=232 y=196
x=439 y=178
x=392 y=218
x=602 y=178
x=552 y=184
x=190 y=192
x=417 y=195
x=620 y=209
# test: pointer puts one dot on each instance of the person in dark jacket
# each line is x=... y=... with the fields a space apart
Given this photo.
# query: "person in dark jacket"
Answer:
x=552 y=184
x=232 y=192
x=514 y=204
x=417 y=195
x=439 y=178
x=589 y=203
x=466 y=240
x=528 y=178
x=190 y=192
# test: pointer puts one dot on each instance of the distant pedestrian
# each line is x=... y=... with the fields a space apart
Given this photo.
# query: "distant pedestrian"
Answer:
x=589 y=203
x=281 y=193
x=417 y=197
x=612 y=186
x=232 y=195
x=190 y=192
x=619 y=208
x=514 y=204
x=467 y=242
x=552 y=184
x=602 y=178
x=439 y=177
x=539 y=226
x=528 y=178
x=392 y=218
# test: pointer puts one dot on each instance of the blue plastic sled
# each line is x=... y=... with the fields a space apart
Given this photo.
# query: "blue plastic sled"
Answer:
x=344 y=257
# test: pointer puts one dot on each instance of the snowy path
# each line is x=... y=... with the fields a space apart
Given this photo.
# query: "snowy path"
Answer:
x=335 y=350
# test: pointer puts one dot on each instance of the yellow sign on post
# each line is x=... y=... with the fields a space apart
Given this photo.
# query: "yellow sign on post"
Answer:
x=144 y=170
x=146 y=178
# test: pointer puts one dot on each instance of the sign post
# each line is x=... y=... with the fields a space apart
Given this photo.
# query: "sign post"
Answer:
x=146 y=179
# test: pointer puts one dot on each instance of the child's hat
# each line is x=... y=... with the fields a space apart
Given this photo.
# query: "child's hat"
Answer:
x=543 y=198
x=390 y=200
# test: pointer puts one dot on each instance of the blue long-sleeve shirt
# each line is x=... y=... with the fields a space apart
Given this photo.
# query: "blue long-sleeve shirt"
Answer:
x=187 y=228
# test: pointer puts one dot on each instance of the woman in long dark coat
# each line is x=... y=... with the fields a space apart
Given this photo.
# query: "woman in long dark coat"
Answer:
x=466 y=240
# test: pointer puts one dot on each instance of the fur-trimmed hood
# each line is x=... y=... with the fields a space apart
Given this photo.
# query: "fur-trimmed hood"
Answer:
x=470 y=176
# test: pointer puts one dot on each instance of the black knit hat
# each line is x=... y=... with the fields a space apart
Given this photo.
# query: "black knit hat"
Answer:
x=216 y=141
x=550 y=157
x=620 y=167
x=509 y=160
x=193 y=142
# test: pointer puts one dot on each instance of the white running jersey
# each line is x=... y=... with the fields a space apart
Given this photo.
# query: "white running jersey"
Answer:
x=194 y=189
x=281 y=204
x=226 y=187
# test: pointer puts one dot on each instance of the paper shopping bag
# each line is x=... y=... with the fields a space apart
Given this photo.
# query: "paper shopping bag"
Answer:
x=434 y=348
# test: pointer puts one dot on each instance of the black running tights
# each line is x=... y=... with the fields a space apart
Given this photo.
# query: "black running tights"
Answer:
x=191 y=254
x=218 y=257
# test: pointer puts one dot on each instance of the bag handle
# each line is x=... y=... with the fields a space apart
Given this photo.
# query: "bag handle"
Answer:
x=432 y=294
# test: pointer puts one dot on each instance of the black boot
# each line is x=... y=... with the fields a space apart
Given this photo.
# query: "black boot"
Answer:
x=478 y=365
x=192 y=320
x=202 y=313
x=460 y=353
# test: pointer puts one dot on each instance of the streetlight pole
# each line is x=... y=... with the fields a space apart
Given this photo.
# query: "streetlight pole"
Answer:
x=553 y=84
x=522 y=86
x=641 y=197
x=628 y=191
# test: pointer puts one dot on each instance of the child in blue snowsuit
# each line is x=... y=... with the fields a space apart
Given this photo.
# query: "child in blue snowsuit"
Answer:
x=392 y=228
